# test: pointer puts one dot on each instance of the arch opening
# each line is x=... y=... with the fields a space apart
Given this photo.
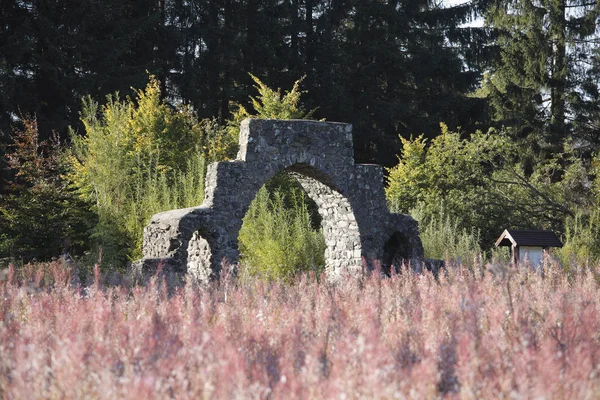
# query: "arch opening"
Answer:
x=339 y=224
x=321 y=218
x=281 y=232
x=199 y=258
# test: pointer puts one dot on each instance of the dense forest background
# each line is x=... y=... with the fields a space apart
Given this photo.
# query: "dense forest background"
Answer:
x=388 y=67
x=528 y=78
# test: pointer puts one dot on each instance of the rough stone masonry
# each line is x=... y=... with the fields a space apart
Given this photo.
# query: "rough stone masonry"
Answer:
x=350 y=197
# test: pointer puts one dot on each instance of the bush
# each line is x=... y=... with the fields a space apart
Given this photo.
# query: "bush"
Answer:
x=270 y=104
x=456 y=171
x=217 y=142
x=581 y=240
x=484 y=186
x=139 y=157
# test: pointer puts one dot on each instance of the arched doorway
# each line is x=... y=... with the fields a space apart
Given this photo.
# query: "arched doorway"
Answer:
x=281 y=234
x=340 y=228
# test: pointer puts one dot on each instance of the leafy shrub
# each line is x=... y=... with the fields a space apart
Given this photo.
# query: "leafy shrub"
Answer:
x=218 y=142
x=581 y=240
x=277 y=239
x=485 y=185
x=138 y=157
x=456 y=171
x=270 y=104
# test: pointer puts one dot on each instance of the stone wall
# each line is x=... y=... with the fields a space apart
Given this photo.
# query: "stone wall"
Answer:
x=350 y=198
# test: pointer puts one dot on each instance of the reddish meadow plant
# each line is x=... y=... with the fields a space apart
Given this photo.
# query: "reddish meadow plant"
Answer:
x=408 y=336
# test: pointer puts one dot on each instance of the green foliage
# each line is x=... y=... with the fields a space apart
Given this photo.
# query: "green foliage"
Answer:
x=444 y=168
x=217 y=142
x=543 y=84
x=455 y=171
x=138 y=157
x=483 y=186
x=269 y=104
x=380 y=65
x=277 y=240
x=52 y=54
x=582 y=228
x=409 y=178
x=40 y=216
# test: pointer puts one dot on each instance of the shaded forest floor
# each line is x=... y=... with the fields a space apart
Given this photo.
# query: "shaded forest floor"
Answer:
x=499 y=333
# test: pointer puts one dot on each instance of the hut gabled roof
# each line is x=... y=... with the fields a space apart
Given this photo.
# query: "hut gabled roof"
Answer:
x=515 y=237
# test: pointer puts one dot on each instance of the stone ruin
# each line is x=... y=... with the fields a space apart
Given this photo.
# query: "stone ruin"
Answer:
x=358 y=228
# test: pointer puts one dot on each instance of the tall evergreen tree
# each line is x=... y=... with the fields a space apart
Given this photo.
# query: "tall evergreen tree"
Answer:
x=53 y=53
x=385 y=66
x=543 y=84
x=220 y=43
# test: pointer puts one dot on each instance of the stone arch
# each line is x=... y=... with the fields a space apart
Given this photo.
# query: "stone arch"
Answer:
x=350 y=198
x=340 y=228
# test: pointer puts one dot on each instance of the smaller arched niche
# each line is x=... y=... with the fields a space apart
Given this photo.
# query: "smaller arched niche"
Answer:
x=199 y=258
x=396 y=253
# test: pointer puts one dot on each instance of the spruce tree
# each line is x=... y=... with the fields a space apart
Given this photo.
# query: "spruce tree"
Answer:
x=387 y=67
x=384 y=66
x=541 y=81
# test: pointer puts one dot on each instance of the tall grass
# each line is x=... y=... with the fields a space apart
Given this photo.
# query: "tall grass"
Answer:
x=277 y=239
x=581 y=240
x=158 y=191
x=119 y=231
x=408 y=336
x=443 y=238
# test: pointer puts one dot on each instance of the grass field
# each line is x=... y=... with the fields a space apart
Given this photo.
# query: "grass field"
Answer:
x=509 y=334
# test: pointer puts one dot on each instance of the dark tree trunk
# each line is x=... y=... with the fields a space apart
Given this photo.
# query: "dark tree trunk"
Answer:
x=558 y=69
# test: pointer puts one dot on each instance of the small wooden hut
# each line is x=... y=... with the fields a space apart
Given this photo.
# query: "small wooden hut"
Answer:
x=528 y=245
